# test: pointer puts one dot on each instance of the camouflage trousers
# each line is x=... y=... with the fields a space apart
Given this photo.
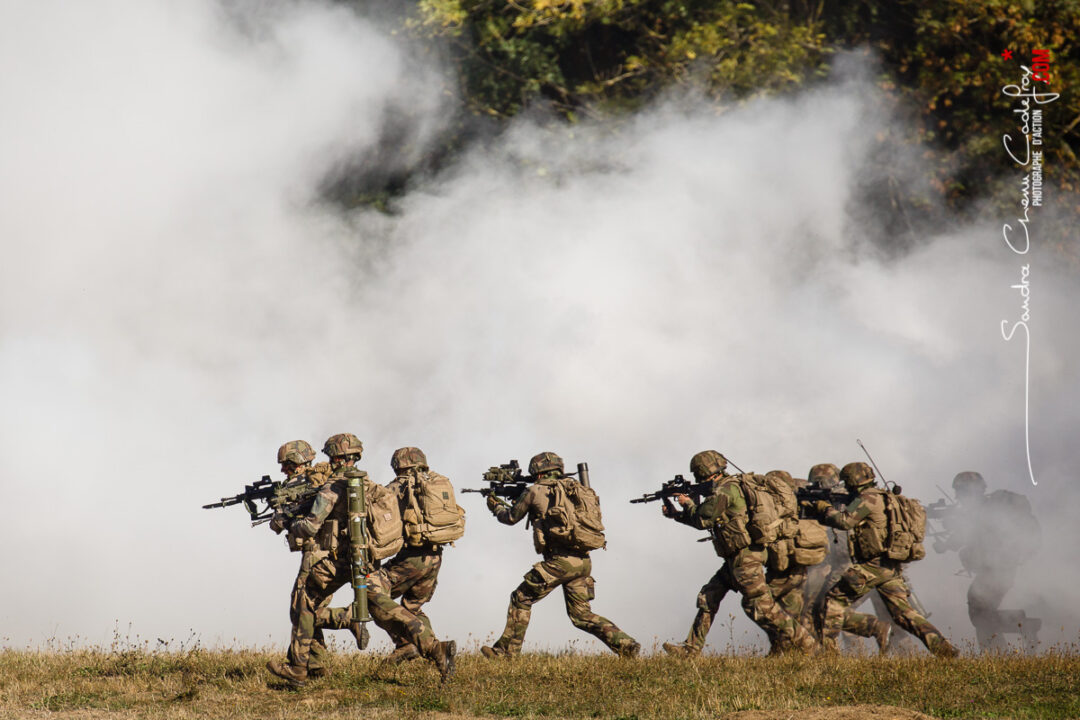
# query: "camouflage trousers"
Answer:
x=885 y=576
x=984 y=598
x=745 y=574
x=413 y=575
x=574 y=575
x=320 y=577
x=788 y=588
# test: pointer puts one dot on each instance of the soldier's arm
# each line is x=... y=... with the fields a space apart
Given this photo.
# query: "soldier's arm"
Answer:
x=513 y=515
x=308 y=525
x=711 y=510
x=849 y=517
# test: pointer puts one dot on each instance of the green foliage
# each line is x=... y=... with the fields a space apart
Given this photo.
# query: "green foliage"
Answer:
x=940 y=58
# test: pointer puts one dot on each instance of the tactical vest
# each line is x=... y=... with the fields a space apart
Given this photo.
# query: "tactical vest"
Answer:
x=431 y=515
x=573 y=518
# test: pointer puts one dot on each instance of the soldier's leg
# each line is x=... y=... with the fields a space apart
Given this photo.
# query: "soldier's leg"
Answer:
x=323 y=580
x=787 y=588
x=894 y=591
x=537 y=585
x=578 y=592
x=708 y=603
x=836 y=614
x=413 y=577
x=984 y=597
x=396 y=620
x=748 y=577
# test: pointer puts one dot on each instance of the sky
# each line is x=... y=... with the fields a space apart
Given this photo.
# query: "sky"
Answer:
x=177 y=302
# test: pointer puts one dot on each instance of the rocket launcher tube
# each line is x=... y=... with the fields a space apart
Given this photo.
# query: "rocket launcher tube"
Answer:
x=358 y=543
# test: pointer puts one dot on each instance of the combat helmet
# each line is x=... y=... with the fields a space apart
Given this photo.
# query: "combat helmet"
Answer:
x=857 y=475
x=545 y=462
x=969 y=483
x=825 y=475
x=707 y=463
x=408 y=457
x=298 y=452
x=343 y=444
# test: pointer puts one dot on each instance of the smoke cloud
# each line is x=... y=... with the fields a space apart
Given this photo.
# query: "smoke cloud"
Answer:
x=177 y=302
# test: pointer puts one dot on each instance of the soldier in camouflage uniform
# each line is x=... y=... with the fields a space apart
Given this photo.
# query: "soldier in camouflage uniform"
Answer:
x=295 y=458
x=414 y=572
x=562 y=566
x=994 y=533
x=327 y=525
x=724 y=514
x=864 y=519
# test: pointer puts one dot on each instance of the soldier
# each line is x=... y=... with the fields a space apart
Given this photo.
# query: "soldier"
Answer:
x=295 y=458
x=414 y=572
x=725 y=515
x=994 y=533
x=823 y=577
x=563 y=565
x=327 y=525
x=865 y=520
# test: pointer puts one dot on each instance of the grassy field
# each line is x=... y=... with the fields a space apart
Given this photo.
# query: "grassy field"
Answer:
x=234 y=684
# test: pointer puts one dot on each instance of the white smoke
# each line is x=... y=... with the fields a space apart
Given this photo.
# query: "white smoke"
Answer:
x=177 y=304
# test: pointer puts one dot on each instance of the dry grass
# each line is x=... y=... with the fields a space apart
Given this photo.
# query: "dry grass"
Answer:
x=140 y=683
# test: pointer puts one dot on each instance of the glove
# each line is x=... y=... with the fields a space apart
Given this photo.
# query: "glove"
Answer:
x=493 y=503
x=278 y=522
x=684 y=500
x=822 y=506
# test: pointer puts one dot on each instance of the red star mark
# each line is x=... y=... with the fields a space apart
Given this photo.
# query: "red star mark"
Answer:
x=1007 y=54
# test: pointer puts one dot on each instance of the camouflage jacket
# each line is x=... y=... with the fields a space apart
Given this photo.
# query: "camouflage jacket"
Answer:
x=535 y=503
x=723 y=514
x=328 y=522
x=864 y=519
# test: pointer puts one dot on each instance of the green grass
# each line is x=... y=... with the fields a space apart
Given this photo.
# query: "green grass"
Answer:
x=234 y=684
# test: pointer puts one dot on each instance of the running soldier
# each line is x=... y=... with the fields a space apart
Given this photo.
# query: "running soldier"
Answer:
x=330 y=569
x=995 y=533
x=295 y=458
x=866 y=521
x=431 y=519
x=566 y=561
x=726 y=516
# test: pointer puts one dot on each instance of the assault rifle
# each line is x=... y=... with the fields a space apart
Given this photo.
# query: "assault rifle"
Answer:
x=291 y=497
x=507 y=480
x=938 y=514
x=678 y=485
x=504 y=481
x=837 y=496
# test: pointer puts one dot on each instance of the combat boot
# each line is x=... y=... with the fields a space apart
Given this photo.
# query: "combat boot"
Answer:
x=403 y=654
x=494 y=653
x=294 y=675
x=629 y=649
x=944 y=648
x=882 y=635
x=444 y=659
x=681 y=649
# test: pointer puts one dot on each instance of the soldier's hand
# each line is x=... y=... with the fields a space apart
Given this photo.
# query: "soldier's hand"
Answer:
x=822 y=506
x=493 y=503
x=278 y=523
x=684 y=500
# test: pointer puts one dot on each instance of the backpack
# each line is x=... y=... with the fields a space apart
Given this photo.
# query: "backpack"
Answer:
x=763 y=519
x=384 y=526
x=573 y=516
x=810 y=545
x=432 y=515
x=906 y=531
